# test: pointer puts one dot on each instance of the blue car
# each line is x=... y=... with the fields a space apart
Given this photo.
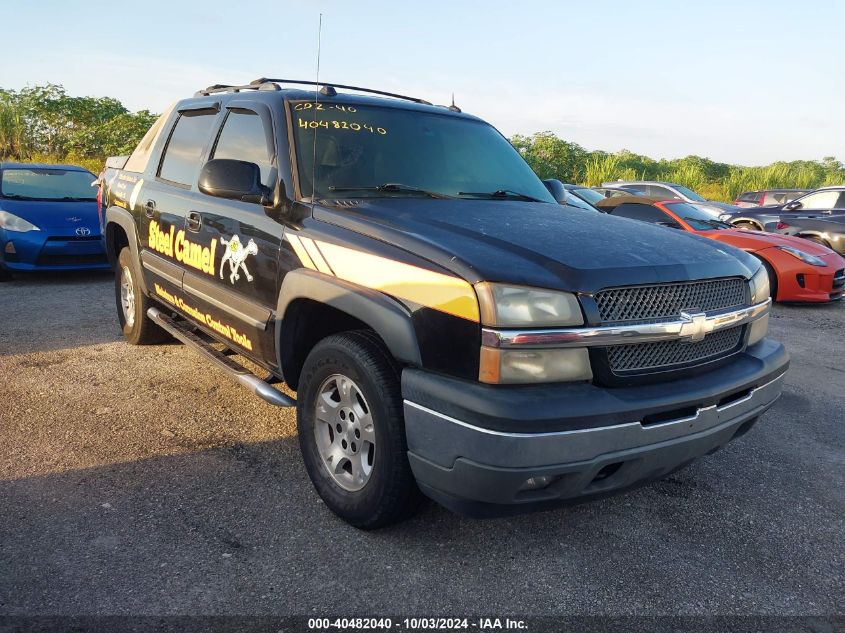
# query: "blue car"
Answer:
x=48 y=219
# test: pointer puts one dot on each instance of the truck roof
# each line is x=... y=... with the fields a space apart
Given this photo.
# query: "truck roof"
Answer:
x=269 y=91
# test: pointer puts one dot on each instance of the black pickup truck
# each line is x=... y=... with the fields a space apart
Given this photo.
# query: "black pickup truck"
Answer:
x=446 y=326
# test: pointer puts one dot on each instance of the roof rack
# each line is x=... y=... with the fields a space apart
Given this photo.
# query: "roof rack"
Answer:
x=263 y=83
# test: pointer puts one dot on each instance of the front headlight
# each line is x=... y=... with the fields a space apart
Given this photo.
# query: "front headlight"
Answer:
x=724 y=217
x=511 y=366
x=12 y=222
x=804 y=257
x=520 y=306
x=760 y=290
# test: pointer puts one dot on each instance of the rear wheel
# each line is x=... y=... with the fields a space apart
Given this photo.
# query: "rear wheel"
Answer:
x=132 y=304
x=352 y=431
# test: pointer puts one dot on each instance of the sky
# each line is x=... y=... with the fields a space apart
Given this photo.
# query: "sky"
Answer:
x=746 y=82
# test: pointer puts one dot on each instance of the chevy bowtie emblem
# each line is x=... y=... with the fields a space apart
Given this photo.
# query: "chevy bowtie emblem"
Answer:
x=82 y=231
x=695 y=327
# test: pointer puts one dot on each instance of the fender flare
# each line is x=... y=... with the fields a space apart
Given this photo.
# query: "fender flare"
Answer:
x=386 y=316
x=126 y=221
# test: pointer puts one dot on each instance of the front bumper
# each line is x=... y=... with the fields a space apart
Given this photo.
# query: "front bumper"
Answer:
x=475 y=454
x=39 y=250
x=802 y=282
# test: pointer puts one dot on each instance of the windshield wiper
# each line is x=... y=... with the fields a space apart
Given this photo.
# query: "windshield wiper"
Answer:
x=75 y=199
x=15 y=196
x=715 y=223
x=393 y=187
x=501 y=193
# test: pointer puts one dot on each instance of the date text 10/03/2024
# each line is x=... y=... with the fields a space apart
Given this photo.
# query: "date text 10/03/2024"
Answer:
x=417 y=624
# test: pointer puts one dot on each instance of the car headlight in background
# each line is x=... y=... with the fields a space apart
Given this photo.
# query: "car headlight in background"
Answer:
x=804 y=257
x=520 y=306
x=12 y=222
x=724 y=217
x=760 y=290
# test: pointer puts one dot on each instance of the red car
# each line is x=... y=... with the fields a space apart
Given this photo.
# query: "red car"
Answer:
x=799 y=270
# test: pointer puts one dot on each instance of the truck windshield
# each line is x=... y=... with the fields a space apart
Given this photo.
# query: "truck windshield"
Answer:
x=47 y=184
x=355 y=150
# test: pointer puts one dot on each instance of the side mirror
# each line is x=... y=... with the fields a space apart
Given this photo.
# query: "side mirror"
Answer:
x=557 y=190
x=234 y=180
x=792 y=206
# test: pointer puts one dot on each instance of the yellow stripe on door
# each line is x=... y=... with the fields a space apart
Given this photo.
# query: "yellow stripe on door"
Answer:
x=434 y=290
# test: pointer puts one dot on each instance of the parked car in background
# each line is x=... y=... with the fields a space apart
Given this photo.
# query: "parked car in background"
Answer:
x=798 y=271
x=819 y=203
x=673 y=191
x=48 y=219
x=610 y=192
x=827 y=231
x=765 y=197
x=584 y=194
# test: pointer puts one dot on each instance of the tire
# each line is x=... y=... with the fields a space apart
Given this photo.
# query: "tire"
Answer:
x=747 y=225
x=816 y=239
x=5 y=275
x=137 y=327
x=367 y=481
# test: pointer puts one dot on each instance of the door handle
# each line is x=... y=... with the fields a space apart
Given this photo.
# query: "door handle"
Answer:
x=150 y=208
x=193 y=221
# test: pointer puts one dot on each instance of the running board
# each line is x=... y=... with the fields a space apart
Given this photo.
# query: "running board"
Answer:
x=236 y=372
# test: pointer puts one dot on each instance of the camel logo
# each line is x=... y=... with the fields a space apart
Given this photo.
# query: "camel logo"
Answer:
x=236 y=254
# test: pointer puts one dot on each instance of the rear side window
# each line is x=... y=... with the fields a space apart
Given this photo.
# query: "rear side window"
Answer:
x=140 y=157
x=180 y=163
x=243 y=138
x=643 y=212
x=840 y=204
x=751 y=196
x=662 y=192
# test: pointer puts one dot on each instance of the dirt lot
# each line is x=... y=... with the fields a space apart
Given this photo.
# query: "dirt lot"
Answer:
x=137 y=480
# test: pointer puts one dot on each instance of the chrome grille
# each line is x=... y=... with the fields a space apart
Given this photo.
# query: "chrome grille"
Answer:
x=643 y=357
x=666 y=301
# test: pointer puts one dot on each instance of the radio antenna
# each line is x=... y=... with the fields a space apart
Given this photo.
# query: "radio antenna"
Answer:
x=316 y=124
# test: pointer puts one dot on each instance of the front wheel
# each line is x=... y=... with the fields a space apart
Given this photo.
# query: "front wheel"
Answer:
x=132 y=304
x=352 y=431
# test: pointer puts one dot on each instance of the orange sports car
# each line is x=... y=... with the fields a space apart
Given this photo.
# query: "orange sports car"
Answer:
x=799 y=270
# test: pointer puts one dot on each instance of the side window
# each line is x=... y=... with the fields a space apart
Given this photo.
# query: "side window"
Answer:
x=243 y=138
x=639 y=188
x=662 y=192
x=141 y=155
x=180 y=163
x=643 y=212
x=841 y=202
x=752 y=197
x=820 y=200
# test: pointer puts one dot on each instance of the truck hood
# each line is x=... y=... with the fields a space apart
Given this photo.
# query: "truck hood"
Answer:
x=55 y=215
x=537 y=244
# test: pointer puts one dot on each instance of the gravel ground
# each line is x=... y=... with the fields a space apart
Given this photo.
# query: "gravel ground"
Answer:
x=138 y=480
